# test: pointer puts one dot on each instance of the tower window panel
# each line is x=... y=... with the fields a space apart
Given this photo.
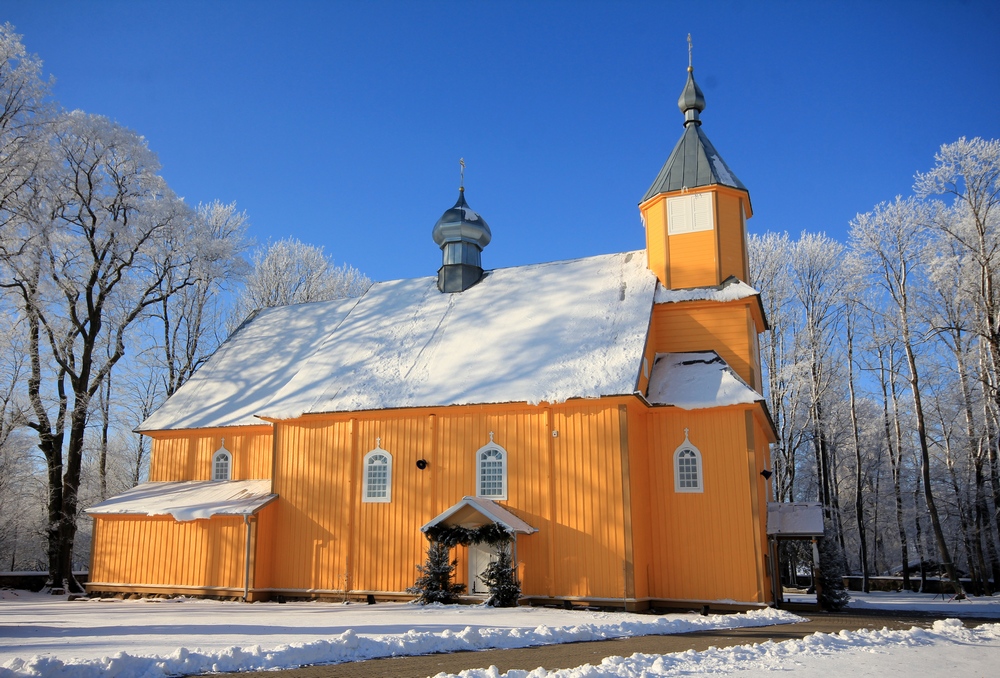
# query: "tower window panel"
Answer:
x=690 y=213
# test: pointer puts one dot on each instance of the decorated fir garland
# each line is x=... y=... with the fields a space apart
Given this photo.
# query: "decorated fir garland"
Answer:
x=491 y=534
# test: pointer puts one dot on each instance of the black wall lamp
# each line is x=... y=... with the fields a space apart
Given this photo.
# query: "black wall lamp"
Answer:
x=421 y=464
x=767 y=474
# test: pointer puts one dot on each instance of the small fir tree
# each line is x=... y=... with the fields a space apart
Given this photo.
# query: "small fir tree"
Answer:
x=435 y=585
x=499 y=578
x=831 y=594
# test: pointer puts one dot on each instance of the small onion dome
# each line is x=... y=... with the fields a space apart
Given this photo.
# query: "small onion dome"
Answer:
x=460 y=223
x=691 y=101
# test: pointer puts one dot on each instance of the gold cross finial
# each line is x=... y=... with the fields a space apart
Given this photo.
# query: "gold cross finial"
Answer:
x=461 y=175
x=689 y=51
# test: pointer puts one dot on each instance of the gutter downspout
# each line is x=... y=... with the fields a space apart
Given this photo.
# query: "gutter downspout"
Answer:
x=246 y=560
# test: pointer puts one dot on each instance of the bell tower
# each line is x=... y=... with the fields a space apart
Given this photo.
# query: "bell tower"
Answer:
x=696 y=210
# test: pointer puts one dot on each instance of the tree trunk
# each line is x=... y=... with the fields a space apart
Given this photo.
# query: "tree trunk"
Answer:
x=895 y=445
x=925 y=465
x=859 y=508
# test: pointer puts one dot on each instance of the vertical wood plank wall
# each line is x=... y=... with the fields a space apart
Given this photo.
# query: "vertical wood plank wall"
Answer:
x=732 y=248
x=159 y=551
x=702 y=544
x=691 y=259
x=187 y=455
x=570 y=468
x=679 y=328
x=330 y=539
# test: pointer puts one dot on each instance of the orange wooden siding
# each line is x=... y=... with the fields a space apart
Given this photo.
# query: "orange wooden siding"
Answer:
x=595 y=478
x=726 y=328
x=159 y=551
x=702 y=258
x=187 y=455
x=692 y=259
x=568 y=486
x=704 y=544
x=654 y=218
x=732 y=244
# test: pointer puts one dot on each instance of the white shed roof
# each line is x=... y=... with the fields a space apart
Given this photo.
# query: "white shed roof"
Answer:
x=795 y=519
x=693 y=381
x=192 y=500
x=731 y=289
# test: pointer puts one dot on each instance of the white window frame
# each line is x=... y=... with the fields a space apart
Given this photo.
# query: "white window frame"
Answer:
x=690 y=213
x=222 y=454
x=491 y=446
x=366 y=486
x=688 y=450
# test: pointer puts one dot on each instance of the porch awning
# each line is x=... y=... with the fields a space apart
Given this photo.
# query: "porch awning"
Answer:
x=794 y=519
x=473 y=512
x=192 y=500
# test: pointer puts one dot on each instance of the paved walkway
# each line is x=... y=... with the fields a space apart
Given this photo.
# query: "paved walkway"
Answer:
x=569 y=655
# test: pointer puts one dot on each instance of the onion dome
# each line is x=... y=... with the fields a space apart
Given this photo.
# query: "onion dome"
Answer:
x=692 y=101
x=461 y=234
x=461 y=223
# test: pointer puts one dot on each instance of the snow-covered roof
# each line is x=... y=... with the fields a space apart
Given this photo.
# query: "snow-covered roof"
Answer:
x=801 y=519
x=257 y=360
x=731 y=289
x=544 y=332
x=192 y=500
x=693 y=381
x=471 y=511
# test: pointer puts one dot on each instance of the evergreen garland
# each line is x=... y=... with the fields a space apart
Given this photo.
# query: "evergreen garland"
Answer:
x=493 y=534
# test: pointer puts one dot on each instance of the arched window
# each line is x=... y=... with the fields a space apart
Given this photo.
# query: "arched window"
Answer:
x=222 y=464
x=491 y=471
x=378 y=476
x=687 y=468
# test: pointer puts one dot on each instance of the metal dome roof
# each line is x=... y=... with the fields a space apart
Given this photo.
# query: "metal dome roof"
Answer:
x=461 y=223
x=694 y=161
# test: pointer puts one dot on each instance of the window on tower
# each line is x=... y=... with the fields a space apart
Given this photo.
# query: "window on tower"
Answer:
x=690 y=213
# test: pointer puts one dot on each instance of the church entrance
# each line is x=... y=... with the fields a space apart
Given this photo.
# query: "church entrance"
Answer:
x=480 y=556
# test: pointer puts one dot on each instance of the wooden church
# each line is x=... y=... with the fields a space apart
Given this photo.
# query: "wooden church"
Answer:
x=604 y=412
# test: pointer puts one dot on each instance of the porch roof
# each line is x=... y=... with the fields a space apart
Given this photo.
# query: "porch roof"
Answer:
x=192 y=500
x=794 y=519
x=472 y=512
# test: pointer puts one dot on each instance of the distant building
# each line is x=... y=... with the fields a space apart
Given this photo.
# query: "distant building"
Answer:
x=605 y=411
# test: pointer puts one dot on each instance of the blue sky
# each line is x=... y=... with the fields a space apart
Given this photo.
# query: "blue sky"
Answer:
x=342 y=123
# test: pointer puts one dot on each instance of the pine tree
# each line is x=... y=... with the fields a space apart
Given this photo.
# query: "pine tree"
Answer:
x=434 y=585
x=831 y=594
x=499 y=578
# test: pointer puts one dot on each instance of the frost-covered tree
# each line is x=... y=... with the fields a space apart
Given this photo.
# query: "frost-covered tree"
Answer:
x=968 y=171
x=817 y=278
x=188 y=320
x=85 y=252
x=769 y=255
x=292 y=272
x=24 y=113
x=892 y=240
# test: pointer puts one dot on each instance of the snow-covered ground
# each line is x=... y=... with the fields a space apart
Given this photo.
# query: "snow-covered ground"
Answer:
x=45 y=636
